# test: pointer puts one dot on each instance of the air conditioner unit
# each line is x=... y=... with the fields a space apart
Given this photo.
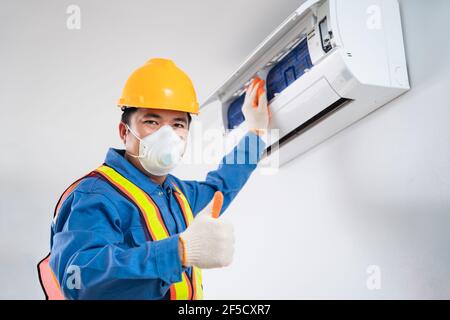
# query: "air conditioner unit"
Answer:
x=329 y=64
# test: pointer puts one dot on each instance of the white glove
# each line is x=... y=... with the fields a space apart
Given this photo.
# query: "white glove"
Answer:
x=257 y=118
x=208 y=242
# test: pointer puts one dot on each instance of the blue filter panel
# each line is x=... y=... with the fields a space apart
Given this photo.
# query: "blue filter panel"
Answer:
x=286 y=71
x=289 y=69
x=235 y=116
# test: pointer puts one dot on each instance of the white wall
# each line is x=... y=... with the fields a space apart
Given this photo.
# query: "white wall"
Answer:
x=377 y=193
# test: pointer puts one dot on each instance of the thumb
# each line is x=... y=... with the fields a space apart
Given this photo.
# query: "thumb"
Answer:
x=212 y=209
x=217 y=204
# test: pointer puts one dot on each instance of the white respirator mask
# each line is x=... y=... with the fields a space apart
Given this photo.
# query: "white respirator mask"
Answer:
x=161 y=151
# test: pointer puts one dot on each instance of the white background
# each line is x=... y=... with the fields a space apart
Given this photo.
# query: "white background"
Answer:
x=378 y=193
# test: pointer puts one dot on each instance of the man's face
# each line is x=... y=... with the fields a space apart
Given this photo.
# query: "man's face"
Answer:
x=146 y=121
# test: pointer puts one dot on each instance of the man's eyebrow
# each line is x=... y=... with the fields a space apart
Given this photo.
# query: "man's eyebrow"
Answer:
x=151 y=115
x=180 y=119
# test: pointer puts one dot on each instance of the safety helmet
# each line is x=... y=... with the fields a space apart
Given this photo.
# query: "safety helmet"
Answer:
x=160 y=84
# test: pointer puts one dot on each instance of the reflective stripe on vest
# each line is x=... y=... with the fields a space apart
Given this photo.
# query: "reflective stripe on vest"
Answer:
x=187 y=288
x=149 y=210
x=188 y=217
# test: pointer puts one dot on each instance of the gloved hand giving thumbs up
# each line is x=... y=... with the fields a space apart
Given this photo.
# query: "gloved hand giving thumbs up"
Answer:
x=208 y=242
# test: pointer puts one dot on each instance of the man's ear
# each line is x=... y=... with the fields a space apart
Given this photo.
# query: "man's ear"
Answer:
x=123 y=132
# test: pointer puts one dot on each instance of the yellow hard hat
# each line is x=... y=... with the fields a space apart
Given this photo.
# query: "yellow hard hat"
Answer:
x=159 y=84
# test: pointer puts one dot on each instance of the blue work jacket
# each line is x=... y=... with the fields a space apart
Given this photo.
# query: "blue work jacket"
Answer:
x=99 y=234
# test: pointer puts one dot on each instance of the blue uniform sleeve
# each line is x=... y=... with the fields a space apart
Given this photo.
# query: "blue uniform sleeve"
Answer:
x=231 y=175
x=91 y=261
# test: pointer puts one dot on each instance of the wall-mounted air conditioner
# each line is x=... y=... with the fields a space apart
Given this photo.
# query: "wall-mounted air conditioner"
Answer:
x=327 y=65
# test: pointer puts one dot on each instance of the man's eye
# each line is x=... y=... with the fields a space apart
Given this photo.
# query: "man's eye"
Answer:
x=179 y=125
x=151 y=122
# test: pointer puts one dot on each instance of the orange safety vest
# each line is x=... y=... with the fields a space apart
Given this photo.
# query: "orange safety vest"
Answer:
x=189 y=288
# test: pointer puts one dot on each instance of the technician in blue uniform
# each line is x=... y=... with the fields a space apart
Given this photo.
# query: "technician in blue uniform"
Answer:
x=102 y=245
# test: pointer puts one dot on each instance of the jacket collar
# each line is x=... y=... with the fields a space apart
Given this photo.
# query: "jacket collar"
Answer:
x=115 y=158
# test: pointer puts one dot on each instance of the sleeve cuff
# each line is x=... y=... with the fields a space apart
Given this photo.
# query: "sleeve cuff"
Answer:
x=168 y=261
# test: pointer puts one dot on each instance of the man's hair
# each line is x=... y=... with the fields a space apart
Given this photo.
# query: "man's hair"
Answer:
x=128 y=111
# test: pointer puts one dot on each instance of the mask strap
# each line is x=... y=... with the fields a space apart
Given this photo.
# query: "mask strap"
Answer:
x=134 y=134
x=133 y=155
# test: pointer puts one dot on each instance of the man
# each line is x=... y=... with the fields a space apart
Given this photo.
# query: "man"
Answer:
x=127 y=229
